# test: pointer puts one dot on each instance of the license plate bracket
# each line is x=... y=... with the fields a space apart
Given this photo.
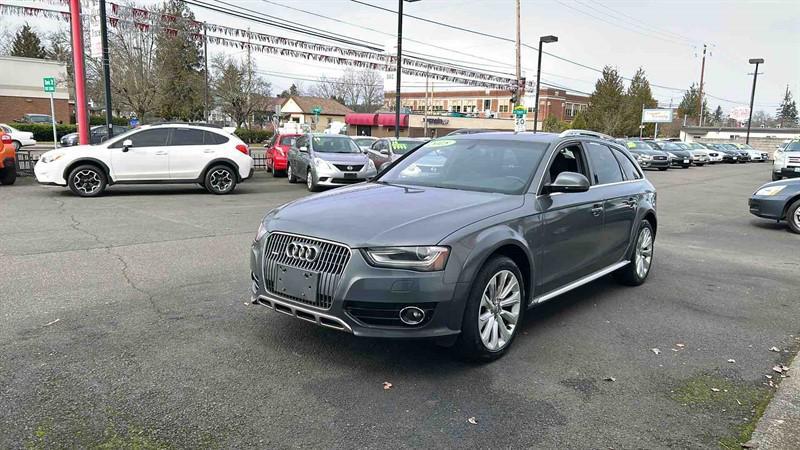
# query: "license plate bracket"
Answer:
x=297 y=283
x=797 y=169
x=350 y=175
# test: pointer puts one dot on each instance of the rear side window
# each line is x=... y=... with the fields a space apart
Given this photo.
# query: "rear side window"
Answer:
x=187 y=136
x=146 y=138
x=628 y=168
x=211 y=138
x=605 y=168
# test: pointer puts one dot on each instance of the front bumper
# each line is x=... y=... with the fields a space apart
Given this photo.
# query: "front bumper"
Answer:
x=653 y=163
x=681 y=162
x=701 y=160
x=771 y=207
x=362 y=287
x=335 y=177
x=49 y=173
x=788 y=172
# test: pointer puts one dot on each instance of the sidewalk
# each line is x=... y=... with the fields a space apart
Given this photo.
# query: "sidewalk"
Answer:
x=779 y=427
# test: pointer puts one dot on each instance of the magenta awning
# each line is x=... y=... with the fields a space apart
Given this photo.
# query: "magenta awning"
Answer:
x=361 y=119
x=387 y=120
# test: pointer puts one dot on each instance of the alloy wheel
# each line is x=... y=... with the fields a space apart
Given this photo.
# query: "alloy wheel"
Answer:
x=644 y=252
x=289 y=173
x=87 y=181
x=221 y=180
x=499 y=310
x=310 y=180
x=797 y=218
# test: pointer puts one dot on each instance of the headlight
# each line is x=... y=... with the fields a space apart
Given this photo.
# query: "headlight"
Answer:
x=370 y=164
x=48 y=158
x=320 y=163
x=424 y=259
x=646 y=157
x=671 y=155
x=262 y=230
x=770 y=190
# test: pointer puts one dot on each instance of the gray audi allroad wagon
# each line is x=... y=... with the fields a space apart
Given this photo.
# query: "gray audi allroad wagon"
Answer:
x=458 y=238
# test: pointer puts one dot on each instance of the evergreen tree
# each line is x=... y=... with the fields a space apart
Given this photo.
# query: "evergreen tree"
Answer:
x=179 y=60
x=639 y=96
x=579 y=121
x=718 y=116
x=606 y=110
x=292 y=91
x=688 y=106
x=27 y=44
x=787 y=112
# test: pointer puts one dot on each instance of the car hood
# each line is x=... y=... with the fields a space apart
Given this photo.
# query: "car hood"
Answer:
x=343 y=158
x=680 y=153
x=793 y=183
x=374 y=215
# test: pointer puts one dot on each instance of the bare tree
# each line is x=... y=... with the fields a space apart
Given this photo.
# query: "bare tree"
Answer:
x=361 y=90
x=370 y=84
x=238 y=90
x=134 y=77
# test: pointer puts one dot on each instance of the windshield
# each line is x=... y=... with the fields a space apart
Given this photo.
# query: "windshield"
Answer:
x=38 y=118
x=745 y=146
x=403 y=146
x=288 y=140
x=501 y=166
x=366 y=142
x=696 y=146
x=683 y=146
x=793 y=146
x=638 y=145
x=335 y=144
x=669 y=146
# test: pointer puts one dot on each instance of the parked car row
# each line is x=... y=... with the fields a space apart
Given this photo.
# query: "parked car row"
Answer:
x=666 y=153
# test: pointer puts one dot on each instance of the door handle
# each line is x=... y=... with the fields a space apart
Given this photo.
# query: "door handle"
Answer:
x=630 y=203
x=208 y=150
x=597 y=209
x=161 y=153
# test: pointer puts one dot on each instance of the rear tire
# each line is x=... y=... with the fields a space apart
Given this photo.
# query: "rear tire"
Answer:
x=637 y=271
x=87 y=181
x=220 y=180
x=8 y=176
x=17 y=145
x=793 y=217
x=500 y=311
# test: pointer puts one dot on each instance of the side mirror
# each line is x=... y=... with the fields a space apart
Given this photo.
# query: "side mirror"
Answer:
x=126 y=145
x=568 y=182
x=303 y=149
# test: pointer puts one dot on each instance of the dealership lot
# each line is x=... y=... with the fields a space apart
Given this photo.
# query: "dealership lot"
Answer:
x=126 y=320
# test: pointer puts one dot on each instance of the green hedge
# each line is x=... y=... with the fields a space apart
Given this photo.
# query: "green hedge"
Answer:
x=101 y=120
x=44 y=132
x=253 y=136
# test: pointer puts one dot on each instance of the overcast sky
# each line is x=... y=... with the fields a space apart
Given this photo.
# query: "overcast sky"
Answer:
x=663 y=37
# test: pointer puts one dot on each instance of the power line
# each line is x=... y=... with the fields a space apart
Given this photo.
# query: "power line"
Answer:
x=636 y=21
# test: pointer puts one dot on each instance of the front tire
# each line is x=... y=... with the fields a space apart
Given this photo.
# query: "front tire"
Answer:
x=311 y=182
x=793 y=217
x=220 y=180
x=637 y=271
x=494 y=311
x=87 y=181
x=8 y=176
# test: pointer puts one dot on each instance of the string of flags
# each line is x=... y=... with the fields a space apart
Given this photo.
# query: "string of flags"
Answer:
x=145 y=20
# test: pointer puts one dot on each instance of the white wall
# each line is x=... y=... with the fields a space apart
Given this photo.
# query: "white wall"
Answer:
x=23 y=77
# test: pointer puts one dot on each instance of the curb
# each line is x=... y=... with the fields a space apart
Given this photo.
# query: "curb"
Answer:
x=779 y=427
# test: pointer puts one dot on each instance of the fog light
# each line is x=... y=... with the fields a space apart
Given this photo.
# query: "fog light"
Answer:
x=411 y=315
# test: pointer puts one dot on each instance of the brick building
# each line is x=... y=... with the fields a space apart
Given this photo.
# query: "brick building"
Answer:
x=22 y=91
x=490 y=102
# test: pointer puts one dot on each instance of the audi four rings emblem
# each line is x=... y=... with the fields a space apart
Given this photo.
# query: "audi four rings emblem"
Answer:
x=305 y=252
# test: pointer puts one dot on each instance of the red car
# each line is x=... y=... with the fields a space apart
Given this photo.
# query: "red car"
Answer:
x=277 y=152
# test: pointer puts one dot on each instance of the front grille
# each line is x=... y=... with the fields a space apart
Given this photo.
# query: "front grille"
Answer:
x=346 y=180
x=794 y=160
x=386 y=314
x=660 y=158
x=330 y=264
x=349 y=167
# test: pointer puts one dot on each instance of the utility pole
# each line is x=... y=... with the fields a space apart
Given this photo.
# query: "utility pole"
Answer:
x=641 y=123
x=106 y=68
x=700 y=94
x=205 y=62
x=520 y=85
x=425 y=125
x=755 y=61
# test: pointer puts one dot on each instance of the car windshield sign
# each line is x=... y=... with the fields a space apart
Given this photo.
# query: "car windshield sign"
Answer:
x=335 y=144
x=501 y=166
x=403 y=146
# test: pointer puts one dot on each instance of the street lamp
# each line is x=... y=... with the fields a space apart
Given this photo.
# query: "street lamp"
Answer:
x=542 y=40
x=399 y=65
x=755 y=61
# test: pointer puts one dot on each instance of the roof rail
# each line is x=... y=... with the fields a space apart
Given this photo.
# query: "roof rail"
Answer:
x=196 y=124
x=596 y=134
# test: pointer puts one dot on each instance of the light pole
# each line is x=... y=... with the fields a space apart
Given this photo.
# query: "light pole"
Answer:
x=542 y=40
x=399 y=65
x=755 y=61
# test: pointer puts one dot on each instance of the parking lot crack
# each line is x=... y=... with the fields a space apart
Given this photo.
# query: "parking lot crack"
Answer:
x=133 y=285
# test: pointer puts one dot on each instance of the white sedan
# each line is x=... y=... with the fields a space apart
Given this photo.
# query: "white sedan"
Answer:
x=18 y=138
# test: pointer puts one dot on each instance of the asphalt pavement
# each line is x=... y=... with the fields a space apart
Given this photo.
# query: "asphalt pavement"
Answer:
x=126 y=322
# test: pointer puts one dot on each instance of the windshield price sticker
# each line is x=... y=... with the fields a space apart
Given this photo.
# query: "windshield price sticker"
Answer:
x=399 y=145
x=440 y=143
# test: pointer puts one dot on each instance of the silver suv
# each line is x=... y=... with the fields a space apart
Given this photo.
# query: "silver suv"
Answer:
x=328 y=160
x=458 y=254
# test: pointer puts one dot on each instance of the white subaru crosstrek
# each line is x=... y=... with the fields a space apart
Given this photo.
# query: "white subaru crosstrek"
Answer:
x=167 y=153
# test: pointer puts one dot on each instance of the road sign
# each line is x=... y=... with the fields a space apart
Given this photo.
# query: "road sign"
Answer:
x=316 y=110
x=520 y=111
x=519 y=124
x=663 y=115
x=133 y=122
x=49 y=84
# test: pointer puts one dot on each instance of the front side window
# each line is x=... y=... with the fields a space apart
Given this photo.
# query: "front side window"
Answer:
x=288 y=140
x=334 y=144
x=567 y=159
x=501 y=166
x=145 y=138
x=605 y=168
